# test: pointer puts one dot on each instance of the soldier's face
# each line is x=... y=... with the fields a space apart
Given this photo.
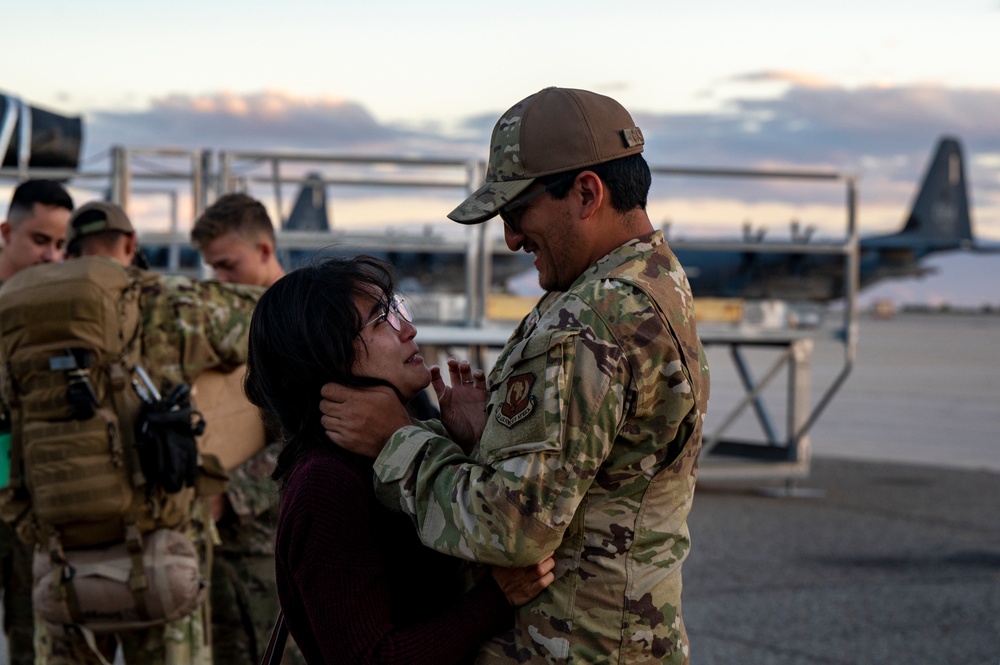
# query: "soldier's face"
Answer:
x=38 y=238
x=544 y=228
x=237 y=259
x=383 y=352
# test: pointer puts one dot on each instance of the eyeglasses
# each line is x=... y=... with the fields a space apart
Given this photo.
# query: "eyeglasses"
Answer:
x=394 y=313
x=509 y=212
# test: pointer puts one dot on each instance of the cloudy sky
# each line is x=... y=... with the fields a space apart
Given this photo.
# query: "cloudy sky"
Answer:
x=859 y=86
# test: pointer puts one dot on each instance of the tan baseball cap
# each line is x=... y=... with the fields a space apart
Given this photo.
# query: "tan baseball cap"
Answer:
x=552 y=131
x=95 y=217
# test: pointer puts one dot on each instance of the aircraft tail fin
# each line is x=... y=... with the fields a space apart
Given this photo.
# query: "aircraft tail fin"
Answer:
x=940 y=211
x=309 y=212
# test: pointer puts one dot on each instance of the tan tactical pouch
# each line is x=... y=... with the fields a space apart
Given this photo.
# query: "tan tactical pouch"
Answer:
x=97 y=588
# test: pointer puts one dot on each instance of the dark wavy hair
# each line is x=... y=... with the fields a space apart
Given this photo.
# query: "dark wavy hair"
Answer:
x=302 y=336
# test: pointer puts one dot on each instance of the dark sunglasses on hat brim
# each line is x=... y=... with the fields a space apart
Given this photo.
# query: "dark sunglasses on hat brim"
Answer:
x=509 y=211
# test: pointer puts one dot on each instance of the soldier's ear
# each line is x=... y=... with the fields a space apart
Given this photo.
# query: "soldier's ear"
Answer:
x=589 y=187
x=266 y=249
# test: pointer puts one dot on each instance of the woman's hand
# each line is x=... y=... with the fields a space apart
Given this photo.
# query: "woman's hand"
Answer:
x=520 y=585
x=463 y=404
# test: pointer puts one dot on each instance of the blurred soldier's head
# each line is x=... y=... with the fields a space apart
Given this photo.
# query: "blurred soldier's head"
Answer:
x=101 y=228
x=235 y=236
x=35 y=228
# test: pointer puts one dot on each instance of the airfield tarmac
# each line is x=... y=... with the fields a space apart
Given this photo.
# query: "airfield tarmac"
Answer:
x=895 y=558
x=896 y=563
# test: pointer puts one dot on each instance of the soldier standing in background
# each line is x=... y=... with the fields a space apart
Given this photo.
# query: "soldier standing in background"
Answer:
x=236 y=237
x=35 y=228
x=589 y=441
x=34 y=232
x=187 y=327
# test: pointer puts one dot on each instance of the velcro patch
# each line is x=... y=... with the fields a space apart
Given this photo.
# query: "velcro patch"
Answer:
x=632 y=137
x=518 y=404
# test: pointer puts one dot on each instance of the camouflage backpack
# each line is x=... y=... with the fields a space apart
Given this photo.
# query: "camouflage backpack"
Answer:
x=87 y=425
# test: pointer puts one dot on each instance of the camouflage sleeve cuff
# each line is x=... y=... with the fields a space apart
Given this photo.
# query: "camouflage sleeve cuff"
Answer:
x=433 y=426
x=399 y=457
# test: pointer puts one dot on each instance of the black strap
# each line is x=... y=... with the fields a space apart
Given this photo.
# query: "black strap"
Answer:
x=276 y=645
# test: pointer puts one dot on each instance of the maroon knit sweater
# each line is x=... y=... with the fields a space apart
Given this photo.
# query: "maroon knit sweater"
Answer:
x=356 y=584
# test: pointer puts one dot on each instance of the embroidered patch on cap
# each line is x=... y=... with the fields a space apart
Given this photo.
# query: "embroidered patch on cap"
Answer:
x=519 y=403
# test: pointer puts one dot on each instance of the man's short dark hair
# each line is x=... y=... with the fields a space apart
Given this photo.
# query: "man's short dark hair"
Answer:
x=627 y=179
x=30 y=192
x=232 y=212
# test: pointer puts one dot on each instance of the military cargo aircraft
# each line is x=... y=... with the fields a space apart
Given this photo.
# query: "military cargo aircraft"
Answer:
x=938 y=221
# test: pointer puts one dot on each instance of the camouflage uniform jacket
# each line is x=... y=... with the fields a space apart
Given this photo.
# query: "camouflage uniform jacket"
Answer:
x=190 y=326
x=590 y=450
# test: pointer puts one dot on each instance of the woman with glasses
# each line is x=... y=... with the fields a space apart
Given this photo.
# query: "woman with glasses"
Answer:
x=354 y=581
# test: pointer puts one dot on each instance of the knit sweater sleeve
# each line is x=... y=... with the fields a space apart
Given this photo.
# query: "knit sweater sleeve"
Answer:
x=335 y=563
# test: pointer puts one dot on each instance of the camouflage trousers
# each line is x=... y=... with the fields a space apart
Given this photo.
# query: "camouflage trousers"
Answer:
x=15 y=568
x=244 y=608
x=180 y=642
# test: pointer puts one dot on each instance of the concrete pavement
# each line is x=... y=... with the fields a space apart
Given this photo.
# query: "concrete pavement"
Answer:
x=894 y=563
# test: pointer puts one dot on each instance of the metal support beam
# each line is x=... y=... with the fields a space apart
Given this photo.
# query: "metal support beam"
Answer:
x=799 y=402
x=760 y=408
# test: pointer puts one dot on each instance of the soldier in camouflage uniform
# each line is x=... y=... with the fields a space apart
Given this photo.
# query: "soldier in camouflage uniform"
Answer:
x=244 y=599
x=34 y=232
x=187 y=327
x=236 y=237
x=589 y=442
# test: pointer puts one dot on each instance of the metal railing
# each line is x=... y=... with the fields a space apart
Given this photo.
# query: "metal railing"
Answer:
x=192 y=179
x=242 y=170
x=792 y=452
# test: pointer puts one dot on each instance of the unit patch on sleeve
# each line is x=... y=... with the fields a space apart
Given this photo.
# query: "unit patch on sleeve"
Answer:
x=518 y=404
